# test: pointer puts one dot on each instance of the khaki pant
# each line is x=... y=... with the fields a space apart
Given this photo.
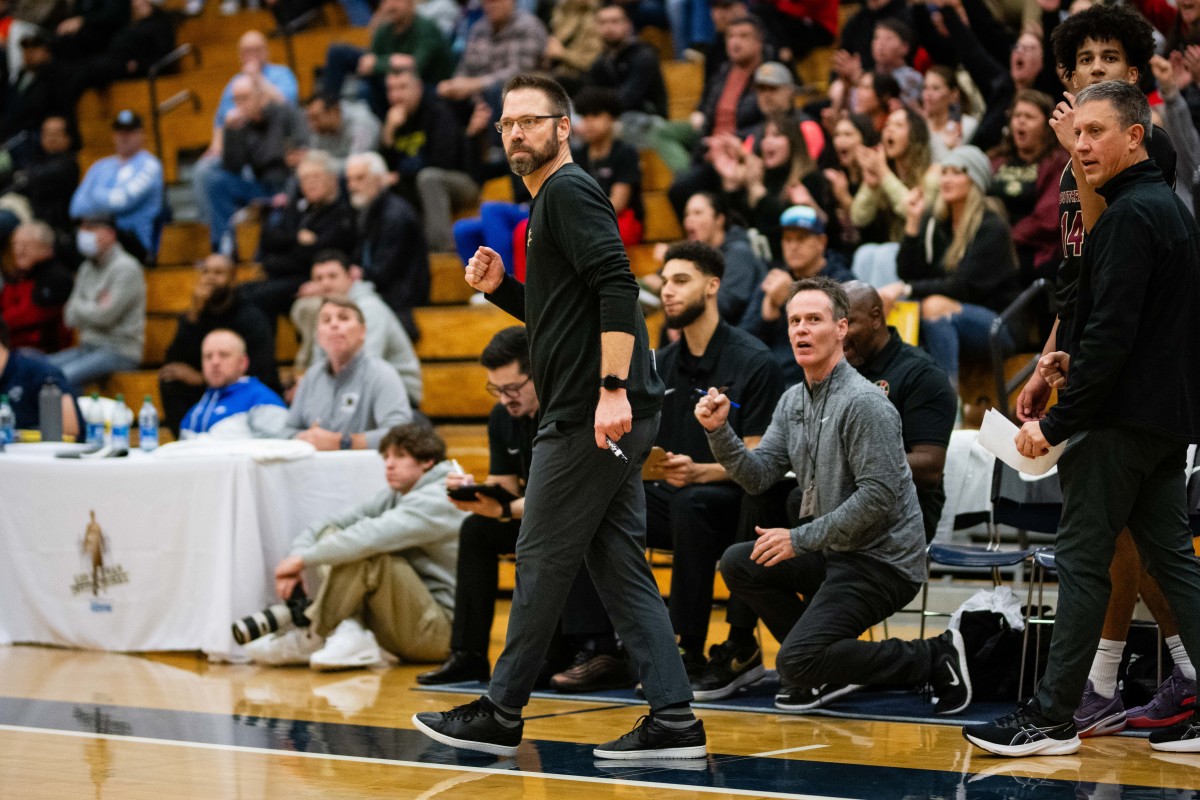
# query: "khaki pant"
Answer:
x=385 y=592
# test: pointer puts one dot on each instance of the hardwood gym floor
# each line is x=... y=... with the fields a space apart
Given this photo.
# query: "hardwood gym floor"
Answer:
x=88 y=724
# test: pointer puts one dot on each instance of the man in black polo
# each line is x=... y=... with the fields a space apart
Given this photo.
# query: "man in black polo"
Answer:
x=491 y=531
x=917 y=387
x=694 y=510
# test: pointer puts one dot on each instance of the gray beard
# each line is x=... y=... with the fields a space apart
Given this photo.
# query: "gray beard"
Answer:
x=536 y=161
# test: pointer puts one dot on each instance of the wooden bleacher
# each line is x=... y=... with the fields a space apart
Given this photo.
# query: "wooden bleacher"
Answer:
x=454 y=331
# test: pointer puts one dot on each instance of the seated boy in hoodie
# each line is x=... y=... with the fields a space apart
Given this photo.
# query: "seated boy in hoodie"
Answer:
x=387 y=564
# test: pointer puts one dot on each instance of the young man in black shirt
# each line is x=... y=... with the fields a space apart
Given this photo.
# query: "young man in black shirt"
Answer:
x=693 y=511
x=1107 y=43
x=614 y=164
x=600 y=413
x=1127 y=412
x=492 y=531
x=917 y=387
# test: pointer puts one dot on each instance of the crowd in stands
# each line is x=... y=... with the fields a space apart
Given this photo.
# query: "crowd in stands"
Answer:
x=928 y=172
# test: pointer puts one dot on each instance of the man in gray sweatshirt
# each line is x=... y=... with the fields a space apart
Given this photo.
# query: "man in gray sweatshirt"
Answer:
x=107 y=307
x=387 y=564
x=857 y=550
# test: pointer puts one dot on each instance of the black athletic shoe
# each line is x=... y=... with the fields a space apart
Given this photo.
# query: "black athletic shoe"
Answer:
x=471 y=727
x=727 y=672
x=461 y=666
x=651 y=739
x=806 y=698
x=1025 y=732
x=948 y=673
x=1181 y=738
x=592 y=672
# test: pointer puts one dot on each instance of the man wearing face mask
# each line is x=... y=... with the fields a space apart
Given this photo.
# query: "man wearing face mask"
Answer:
x=107 y=307
x=215 y=304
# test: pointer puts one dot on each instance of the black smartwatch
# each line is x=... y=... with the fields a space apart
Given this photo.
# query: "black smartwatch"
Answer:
x=347 y=443
x=612 y=383
x=505 y=511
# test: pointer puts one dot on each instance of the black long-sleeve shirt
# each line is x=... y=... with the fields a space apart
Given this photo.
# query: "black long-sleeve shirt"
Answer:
x=1135 y=358
x=986 y=275
x=578 y=285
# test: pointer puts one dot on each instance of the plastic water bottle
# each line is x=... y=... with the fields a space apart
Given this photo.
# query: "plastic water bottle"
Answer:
x=8 y=422
x=122 y=419
x=50 y=416
x=148 y=426
x=94 y=419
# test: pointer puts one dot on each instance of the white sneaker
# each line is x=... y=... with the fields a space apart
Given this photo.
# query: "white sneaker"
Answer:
x=350 y=646
x=230 y=7
x=292 y=648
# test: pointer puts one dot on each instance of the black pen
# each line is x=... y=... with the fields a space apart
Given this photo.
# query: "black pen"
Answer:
x=703 y=393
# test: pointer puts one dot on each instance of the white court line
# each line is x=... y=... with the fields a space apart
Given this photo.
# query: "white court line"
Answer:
x=417 y=764
x=789 y=750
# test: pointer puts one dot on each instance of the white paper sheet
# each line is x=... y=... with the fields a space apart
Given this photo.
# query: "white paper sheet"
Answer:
x=998 y=435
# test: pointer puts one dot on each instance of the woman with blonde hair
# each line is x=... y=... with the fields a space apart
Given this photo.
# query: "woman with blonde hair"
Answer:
x=957 y=259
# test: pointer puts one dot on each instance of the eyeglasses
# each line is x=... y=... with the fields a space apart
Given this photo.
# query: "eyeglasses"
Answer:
x=512 y=390
x=525 y=123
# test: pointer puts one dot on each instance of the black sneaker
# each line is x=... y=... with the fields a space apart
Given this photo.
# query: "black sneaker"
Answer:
x=592 y=672
x=948 y=673
x=727 y=672
x=471 y=727
x=460 y=667
x=651 y=739
x=1181 y=738
x=806 y=698
x=1025 y=732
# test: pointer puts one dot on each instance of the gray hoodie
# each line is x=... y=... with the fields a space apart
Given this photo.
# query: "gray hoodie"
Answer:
x=866 y=501
x=422 y=526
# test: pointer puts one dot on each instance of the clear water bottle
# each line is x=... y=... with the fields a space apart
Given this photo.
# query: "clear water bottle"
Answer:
x=50 y=416
x=94 y=419
x=8 y=422
x=148 y=426
x=120 y=421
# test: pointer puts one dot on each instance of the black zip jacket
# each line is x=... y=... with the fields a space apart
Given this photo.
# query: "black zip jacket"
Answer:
x=1136 y=354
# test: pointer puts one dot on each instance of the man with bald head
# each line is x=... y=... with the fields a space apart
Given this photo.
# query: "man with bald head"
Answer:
x=917 y=387
x=278 y=81
x=263 y=141
x=230 y=406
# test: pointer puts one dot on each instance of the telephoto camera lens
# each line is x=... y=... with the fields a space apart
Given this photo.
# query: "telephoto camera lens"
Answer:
x=279 y=617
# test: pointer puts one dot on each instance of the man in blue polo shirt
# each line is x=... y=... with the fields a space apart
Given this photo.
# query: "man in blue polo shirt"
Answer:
x=22 y=375
x=235 y=406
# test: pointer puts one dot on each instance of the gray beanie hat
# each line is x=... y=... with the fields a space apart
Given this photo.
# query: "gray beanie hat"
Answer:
x=972 y=161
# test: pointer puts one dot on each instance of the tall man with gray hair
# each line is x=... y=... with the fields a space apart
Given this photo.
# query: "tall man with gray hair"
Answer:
x=1127 y=413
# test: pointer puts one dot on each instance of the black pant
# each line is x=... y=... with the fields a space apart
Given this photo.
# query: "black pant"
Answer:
x=273 y=295
x=697 y=523
x=481 y=542
x=844 y=595
x=777 y=507
x=1114 y=478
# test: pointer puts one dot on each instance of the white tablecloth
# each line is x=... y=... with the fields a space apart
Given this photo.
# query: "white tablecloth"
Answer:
x=188 y=543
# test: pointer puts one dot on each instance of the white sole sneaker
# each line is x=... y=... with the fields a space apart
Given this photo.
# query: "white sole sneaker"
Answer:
x=747 y=678
x=696 y=751
x=464 y=744
x=1043 y=747
x=357 y=661
x=820 y=702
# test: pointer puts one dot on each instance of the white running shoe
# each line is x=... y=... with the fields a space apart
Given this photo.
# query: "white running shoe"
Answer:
x=289 y=649
x=350 y=646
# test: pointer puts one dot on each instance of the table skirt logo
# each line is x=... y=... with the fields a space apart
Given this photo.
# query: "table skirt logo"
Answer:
x=102 y=576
